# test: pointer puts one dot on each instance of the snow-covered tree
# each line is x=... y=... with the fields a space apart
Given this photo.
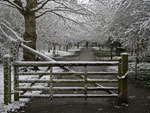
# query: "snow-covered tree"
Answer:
x=33 y=9
x=130 y=24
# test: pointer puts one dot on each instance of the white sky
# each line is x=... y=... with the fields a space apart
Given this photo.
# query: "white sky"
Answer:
x=83 y=1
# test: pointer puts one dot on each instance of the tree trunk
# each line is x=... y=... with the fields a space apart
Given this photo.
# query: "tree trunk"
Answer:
x=137 y=52
x=49 y=48
x=30 y=31
x=111 y=52
x=54 y=49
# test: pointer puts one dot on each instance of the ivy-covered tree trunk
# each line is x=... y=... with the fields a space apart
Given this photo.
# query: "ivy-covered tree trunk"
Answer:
x=30 y=30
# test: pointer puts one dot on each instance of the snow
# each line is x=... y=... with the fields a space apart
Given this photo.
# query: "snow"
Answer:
x=145 y=66
x=7 y=55
x=97 y=48
x=58 y=53
x=112 y=68
x=62 y=53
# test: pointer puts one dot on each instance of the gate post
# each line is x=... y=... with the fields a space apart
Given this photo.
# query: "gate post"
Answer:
x=7 y=78
x=124 y=79
x=16 y=84
x=120 y=74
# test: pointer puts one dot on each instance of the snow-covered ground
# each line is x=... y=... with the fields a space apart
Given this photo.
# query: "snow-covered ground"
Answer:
x=62 y=53
x=97 y=48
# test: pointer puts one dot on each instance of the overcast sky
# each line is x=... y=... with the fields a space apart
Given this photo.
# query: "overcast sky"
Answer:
x=83 y=1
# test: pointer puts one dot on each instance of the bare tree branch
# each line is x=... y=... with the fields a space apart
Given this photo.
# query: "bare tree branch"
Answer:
x=63 y=17
x=44 y=13
x=64 y=6
x=19 y=3
x=7 y=4
x=41 y=6
x=64 y=10
x=13 y=4
x=16 y=4
x=12 y=31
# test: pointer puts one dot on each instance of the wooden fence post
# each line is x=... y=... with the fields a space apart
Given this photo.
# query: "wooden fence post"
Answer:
x=124 y=81
x=51 y=83
x=85 y=82
x=120 y=74
x=16 y=84
x=7 y=79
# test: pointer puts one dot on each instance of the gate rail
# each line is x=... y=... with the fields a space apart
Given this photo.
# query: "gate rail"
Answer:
x=121 y=79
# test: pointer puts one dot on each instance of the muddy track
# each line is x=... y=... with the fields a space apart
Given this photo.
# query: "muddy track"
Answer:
x=138 y=102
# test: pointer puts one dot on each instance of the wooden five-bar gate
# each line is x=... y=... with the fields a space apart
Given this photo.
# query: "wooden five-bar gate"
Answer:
x=85 y=84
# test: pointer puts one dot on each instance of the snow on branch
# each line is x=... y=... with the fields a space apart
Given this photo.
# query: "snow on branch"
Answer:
x=41 y=5
x=63 y=17
x=65 y=6
x=16 y=35
x=19 y=39
x=37 y=53
x=11 y=4
x=5 y=21
x=8 y=36
x=7 y=4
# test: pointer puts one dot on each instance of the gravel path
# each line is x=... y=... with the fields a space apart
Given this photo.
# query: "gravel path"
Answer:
x=139 y=100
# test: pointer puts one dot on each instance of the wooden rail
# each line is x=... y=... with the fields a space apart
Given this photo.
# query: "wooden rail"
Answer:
x=66 y=63
x=120 y=79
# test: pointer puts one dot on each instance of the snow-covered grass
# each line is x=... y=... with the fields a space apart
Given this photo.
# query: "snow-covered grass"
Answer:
x=112 y=68
x=97 y=48
x=74 y=49
x=62 y=53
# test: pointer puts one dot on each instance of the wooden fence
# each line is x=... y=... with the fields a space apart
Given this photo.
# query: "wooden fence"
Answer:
x=119 y=78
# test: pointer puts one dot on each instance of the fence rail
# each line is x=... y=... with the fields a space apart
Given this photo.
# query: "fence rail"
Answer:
x=68 y=73
x=120 y=80
x=67 y=63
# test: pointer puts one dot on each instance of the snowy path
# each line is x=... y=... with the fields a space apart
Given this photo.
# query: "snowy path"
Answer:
x=87 y=55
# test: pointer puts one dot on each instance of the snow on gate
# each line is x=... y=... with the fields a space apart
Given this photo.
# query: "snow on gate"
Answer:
x=48 y=83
